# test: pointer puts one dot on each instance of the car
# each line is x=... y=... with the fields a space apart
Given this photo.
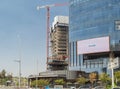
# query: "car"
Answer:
x=116 y=88
x=72 y=87
x=99 y=87
x=85 y=87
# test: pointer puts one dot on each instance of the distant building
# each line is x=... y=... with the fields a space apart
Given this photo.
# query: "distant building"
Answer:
x=59 y=44
x=94 y=34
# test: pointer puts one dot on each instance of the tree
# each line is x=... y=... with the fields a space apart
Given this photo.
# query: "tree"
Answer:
x=104 y=78
x=93 y=77
x=43 y=82
x=59 y=82
x=3 y=73
x=2 y=77
x=33 y=83
x=81 y=80
x=40 y=83
x=117 y=77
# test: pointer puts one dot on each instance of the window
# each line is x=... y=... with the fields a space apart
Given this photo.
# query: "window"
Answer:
x=117 y=25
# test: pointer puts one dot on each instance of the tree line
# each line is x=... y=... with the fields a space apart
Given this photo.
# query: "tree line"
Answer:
x=103 y=78
x=5 y=77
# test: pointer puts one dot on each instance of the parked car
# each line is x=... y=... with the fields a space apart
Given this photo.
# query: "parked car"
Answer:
x=99 y=87
x=116 y=88
x=85 y=87
x=72 y=87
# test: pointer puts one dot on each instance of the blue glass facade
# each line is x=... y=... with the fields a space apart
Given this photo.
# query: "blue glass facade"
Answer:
x=93 y=19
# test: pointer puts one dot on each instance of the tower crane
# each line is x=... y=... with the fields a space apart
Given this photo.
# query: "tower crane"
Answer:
x=48 y=23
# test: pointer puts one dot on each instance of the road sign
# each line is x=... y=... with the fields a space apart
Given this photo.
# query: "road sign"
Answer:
x=114 y=64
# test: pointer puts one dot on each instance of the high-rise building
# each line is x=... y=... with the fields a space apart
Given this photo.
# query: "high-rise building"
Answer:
x=59 y=36
x=57 y=65
x=59 y=43
x=94 y=29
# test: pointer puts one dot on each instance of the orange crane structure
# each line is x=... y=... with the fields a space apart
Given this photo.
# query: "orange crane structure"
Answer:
x=48 y=23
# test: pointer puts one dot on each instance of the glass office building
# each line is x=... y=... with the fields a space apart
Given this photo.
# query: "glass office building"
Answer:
x=94 y=34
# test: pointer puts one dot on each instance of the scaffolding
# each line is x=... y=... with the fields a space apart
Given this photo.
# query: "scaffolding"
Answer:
x=59 y=43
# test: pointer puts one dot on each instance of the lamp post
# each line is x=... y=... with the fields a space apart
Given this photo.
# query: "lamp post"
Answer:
x=19 y=61
x=37 y=75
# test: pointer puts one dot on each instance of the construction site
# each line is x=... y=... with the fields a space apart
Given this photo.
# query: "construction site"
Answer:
x=57 y=64
x=57 y=39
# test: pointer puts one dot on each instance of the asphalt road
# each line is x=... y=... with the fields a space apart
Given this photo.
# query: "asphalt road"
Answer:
x=11 y=88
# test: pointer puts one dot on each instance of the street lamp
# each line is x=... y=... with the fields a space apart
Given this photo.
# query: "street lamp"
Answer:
x=19 y=61
x=37 y=76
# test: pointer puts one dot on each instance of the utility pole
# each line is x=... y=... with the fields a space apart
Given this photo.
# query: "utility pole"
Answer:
x=37 y=74
x=19 y=61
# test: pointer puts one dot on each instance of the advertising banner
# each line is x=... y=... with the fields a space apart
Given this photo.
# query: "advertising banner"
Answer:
x=93 y=45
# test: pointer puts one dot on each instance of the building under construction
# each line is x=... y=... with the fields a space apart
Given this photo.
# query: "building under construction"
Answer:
x=59 y=44
x=57 y=65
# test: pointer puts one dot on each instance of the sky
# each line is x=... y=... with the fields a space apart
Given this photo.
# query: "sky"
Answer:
x=23 y=34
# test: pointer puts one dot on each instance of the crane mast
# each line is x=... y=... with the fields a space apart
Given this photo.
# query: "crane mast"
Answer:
x=48 y=24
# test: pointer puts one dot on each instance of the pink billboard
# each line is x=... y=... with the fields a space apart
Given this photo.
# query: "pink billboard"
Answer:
x=93 y=45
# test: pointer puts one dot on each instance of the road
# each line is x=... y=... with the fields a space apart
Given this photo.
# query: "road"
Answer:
x=11 y=88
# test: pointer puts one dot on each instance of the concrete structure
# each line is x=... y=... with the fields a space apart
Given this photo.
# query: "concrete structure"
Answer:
x=59 y=37
x=60 y=73
x=58 y=62
x=53 y=75
x=93 y=34
x=59 y=43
